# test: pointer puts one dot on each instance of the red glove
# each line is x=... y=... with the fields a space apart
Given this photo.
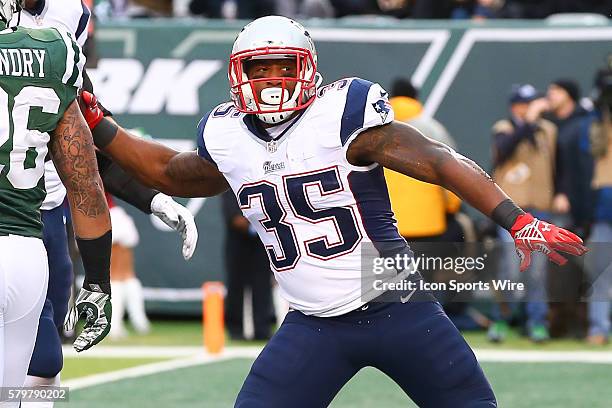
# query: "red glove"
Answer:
x=531 y=234
x=90 y=109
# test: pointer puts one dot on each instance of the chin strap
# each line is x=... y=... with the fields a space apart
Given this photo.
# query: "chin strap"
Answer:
x=274 y=118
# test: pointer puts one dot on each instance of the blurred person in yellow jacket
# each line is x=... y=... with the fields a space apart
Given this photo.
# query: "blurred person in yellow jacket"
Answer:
x=424 y=219
x=427 y=214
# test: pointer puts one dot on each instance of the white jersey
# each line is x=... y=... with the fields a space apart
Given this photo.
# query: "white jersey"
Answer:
x=313 y=210
x=71 y=16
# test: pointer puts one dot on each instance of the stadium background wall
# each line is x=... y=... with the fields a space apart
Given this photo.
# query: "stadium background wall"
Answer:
x=161 y=76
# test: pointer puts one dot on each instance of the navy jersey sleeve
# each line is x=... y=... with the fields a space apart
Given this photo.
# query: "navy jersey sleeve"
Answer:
x=202 y=150
x=367 y=105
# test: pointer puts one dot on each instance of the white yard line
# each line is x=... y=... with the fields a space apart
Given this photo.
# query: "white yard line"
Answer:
x=157 y=352
x=194 y=356
x=197 y=358
x=134 y=352
x=529 y=356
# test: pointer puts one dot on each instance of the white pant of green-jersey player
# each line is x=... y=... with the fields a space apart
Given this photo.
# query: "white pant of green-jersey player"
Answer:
x=23 y=287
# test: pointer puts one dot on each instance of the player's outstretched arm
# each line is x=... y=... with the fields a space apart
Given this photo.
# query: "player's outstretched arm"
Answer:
x=72 y=150
x=403 y=148
x=177 y=174
x=124 y=186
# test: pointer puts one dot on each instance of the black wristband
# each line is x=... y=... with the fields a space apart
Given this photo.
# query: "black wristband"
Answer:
x=506 y=213
x=104 y=133
x=127 y=188
x=95 y=254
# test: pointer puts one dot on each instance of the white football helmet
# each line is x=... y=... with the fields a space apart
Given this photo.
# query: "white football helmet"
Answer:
x=273 y=37
x=8 y=8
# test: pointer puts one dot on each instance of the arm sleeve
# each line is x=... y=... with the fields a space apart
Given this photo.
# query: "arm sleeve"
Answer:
x=81 y=30
x=367 y=105
x=202 y=150
x=68 y=77
x=75 y=61
x=122 y=185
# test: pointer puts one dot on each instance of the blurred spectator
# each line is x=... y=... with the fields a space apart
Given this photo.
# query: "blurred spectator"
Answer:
x=477 y=9
x=462 y=9
x=524 y=161
x=405 y=100
x=206 y=8
x=395 y=8
x=572 y=204
x=154 y=7
x=345 y=8
x=432 y=9
x=433 y=203
x=486 y=9
x=544 y=8
x=242 y=9
x=418 y=9
x=316 y=8
x=132 y=8
x=247 y=267
x=574 y=165
x=428 y=215
x=249 y=9
x=600 y=258
x=287 y=8
x=126 y=287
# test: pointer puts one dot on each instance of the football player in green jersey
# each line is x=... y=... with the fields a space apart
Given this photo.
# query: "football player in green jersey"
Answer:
x=40 y=72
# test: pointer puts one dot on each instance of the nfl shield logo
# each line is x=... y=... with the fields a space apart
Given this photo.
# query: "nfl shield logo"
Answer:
x=272 y=146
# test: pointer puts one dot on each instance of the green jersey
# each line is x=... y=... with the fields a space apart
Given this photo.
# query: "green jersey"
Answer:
x=40 y=72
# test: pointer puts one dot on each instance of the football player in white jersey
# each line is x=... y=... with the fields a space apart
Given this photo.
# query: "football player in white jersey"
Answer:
x=73 y=16
x=305 y=163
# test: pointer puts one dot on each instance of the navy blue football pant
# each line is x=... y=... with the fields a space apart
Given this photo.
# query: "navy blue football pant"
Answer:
x=310 y=358
x=47 y=357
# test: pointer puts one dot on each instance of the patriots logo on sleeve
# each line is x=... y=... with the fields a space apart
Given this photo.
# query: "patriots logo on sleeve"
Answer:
x=382 y=107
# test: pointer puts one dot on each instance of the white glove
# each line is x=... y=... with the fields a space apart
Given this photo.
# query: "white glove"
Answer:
x=179 y=219
x=96 y=310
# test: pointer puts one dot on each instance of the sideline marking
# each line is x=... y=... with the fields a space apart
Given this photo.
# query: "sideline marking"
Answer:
x=155 y=368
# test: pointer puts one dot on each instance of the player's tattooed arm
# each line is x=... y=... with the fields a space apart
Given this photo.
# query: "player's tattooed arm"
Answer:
x=155 y=165
x=73 y=154
x=403 y=148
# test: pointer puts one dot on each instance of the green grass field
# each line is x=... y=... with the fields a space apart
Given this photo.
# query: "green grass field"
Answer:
x=216 y=384
x=81 y=367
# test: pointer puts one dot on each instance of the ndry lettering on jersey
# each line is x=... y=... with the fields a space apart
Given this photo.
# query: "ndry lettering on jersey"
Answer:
x=22 y=62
